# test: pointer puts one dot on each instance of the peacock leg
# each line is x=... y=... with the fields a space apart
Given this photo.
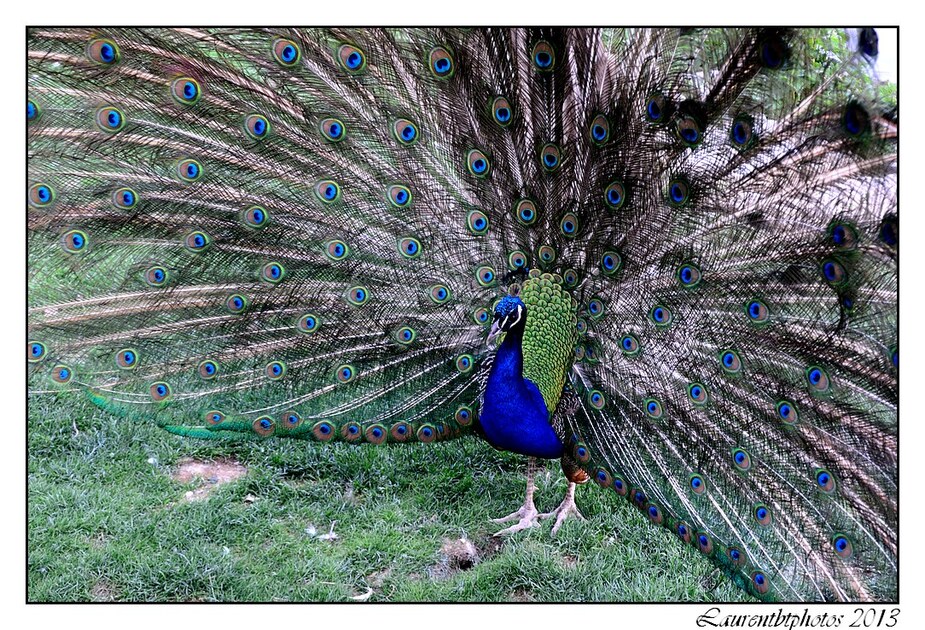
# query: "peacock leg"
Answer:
x=527 y=514
x=565 y=508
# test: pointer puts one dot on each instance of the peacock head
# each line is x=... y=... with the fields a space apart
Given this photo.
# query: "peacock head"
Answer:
x=510 y=313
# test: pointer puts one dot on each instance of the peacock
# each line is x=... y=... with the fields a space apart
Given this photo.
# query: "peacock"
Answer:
x=666 y=258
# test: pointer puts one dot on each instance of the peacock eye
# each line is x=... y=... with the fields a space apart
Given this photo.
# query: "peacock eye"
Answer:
x=478 y=163
x=272 y=272
x=74 y=241
x=441 y=62
x=103 y=51
x=399 y=196
x=189 y=170
x=124 y=198
x=689 y=275
x=308 y=323
x=409 y=247
x=656 y=108
x=406 y=132
x=333 y=129
x=611 y=262
x=110 y=119
x=41 y=195
x=568 y=226
x=185 y=90
x=689 y=129
x=485 y=276
x=357 y=295
x=731 y=362
x=286 y=52
x=477 y=222
x=550 y=156
x=501 y=111
x=615 y=195
x=544 y=57
x=678 y=192
x=36 y=351
x=351 y=58
x=525 y=211
x=546 y=254
x=257 y=126
x=156 y=276
x=600 y=129
x=742 y=132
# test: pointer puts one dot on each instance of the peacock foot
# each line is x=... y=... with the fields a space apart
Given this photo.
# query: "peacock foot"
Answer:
x=565 y=509
x=526 y=518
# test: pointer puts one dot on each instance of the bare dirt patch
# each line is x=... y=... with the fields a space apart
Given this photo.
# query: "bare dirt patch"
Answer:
x=103 y=591
x=210 y=474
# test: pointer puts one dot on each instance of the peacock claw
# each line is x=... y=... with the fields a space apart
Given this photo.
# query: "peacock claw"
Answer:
x=526 y=518
x=565 y=509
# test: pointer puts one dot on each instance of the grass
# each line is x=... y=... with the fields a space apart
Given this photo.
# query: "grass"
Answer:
x=107 y=522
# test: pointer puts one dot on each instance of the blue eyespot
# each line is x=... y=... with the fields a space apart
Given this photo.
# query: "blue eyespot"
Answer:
x=856 y=120
x=843 y=546
x=308 y=323
x=189 y=170
x=159 y=391
x=345 y=373
x=351 y=58
x=358 y=295
x=477 y=222
x=478 y=163
x=103 y=51
x=569 y=225
x=732 y=364
x=109 y=118
x=41 y=195
x=757 y=311
x=817 y=378
x=272 y=272
x=124 y=198
x=36 y=351
x=409 y=247
x=596 y=399
x=689 y=275
x=678 y=192
x=787 y=412
x=236 y=304
x=501 y=111
x=439 y=293
x=549 y=156
x=286 y=52
x=441 y=62
x=742 y=459
x=525 y=211
x=32 y=111
x=614 y=195
x=333 y=129
x=742 y=133
x=74 y=241
x=610 y=262
x=544 y=56
x=256 y=126
x=656 y=107
x=406 y=132
x=399 y=196
x=185 y=90
x=599 y=129
x=485 y=276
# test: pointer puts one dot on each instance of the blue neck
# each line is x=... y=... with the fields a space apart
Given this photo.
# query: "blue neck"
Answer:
x=514 y=416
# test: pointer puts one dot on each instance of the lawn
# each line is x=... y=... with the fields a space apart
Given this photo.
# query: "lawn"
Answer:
x=110 y=519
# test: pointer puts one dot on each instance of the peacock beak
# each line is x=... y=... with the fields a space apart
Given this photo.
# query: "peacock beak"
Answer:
x=493 y=334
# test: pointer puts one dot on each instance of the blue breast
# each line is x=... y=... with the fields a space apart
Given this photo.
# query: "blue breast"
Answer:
x=513 y=415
